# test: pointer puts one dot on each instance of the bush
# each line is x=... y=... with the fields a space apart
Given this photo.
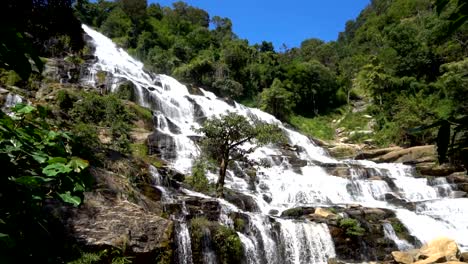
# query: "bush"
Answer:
x=227 y=245
x=352 y=226
x=96 y=113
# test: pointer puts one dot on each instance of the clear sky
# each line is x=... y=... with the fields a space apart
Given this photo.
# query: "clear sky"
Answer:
x=288 y=22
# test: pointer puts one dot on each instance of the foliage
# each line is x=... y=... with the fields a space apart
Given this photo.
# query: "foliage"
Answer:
x=352 y=227
x=38 y=165
x=105 y=115
x=227 y=245
x=224 y=140
x=198 y=179
x=316 y=127
x=277 y=101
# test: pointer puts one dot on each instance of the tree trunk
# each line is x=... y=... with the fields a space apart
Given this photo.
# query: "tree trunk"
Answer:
x=222 y=176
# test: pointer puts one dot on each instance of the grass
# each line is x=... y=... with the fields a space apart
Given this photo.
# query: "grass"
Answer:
x=317 y=127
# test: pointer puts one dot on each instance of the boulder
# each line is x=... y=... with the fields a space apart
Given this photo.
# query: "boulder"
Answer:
x=403 y=257
x=439 y=250
x=343 y=150
x=244 y=202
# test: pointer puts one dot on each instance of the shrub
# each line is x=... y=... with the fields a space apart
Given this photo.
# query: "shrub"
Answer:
x=227 y=245
x=198 y=179
x=352 y=227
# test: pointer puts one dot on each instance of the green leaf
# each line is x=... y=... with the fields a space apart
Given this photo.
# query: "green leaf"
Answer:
x=68 y=198
x=78 y=164
x=29 y=180
x=56 y=168
x=23 y=109
x=57 y=160
x=40 y=157
x=2 y=236
x=79 y=187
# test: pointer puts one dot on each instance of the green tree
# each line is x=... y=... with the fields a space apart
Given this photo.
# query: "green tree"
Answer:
x=224 y=140
x=277 y=101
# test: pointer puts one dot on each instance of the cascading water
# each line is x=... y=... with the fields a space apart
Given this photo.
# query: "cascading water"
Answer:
x=284 y=184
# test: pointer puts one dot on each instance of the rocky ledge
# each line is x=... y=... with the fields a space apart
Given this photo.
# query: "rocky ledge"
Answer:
x=359 y=233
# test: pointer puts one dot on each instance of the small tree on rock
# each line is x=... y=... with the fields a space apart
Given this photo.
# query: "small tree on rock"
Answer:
x=225 y=139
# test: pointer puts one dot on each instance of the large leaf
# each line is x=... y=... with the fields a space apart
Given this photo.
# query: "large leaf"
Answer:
x=68 y=198
x=56 y=168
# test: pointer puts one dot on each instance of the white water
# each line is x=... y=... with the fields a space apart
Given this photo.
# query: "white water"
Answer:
x=177 y=113
x=402 y=244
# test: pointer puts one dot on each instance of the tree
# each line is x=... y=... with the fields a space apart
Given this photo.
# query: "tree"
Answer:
x=225 y=137
x=277 y=101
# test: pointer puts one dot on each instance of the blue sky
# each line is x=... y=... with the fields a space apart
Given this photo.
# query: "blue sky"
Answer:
x=288 y=22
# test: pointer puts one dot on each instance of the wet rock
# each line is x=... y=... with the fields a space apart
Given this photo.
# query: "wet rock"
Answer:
x=273 y=212
x=297 y=212
x=267 y=198
x=200 y=207
x=243 y=201
x=194 y=90
x=198 y=114
x=162 y=145
x=391 y=198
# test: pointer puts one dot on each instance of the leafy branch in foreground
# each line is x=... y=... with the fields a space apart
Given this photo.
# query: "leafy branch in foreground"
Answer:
x=226 y=138
x=37 y=164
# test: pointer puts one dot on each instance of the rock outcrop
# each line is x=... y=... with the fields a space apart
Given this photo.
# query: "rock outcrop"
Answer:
x=116 y=215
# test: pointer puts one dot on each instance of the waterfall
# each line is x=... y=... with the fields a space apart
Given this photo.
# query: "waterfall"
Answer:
x=390 y=234
x=303 y=175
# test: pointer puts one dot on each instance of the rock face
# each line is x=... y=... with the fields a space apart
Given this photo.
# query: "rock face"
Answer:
x=121 y=225
x=440 y=250
x=162 y=145
x=108 y=220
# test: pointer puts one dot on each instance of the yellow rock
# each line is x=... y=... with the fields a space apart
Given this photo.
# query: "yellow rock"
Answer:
x=402 y=257
x=323 y=212
x=438 y=248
